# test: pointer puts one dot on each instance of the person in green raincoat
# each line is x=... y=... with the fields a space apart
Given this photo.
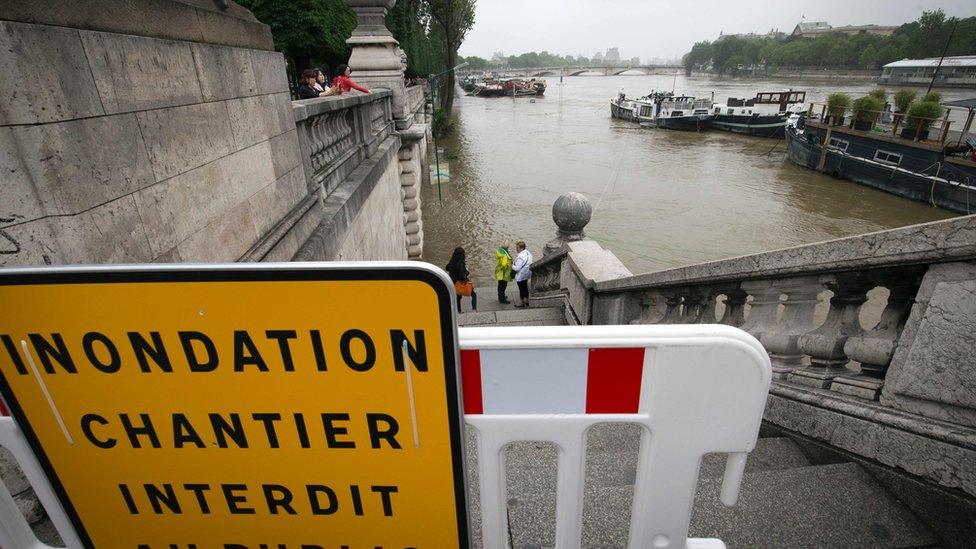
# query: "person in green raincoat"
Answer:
x=503 y=270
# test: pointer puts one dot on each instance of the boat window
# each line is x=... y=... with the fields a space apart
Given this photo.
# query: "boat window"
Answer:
x=677 y=113
x=731 y=111
x=838 y=144
x=886 y=157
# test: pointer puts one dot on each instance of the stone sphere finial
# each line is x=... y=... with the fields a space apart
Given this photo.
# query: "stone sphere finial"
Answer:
x=571 y=212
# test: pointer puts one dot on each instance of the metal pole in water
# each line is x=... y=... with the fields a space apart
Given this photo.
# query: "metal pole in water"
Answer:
x=433 y=134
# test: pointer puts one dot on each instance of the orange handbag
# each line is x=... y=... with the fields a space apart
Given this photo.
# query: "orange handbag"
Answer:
x=463 y=287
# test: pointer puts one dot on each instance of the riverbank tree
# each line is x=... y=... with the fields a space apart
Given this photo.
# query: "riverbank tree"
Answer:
x=925 y=37
x=450 y=21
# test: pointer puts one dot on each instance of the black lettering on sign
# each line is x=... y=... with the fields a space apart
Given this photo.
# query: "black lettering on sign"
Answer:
x=282 y=337
x=384 y=492
x=318 y=350
x=86 y=421
x=357 y=500
x=58 y=351
x=134 y=432
x=332 y=431
x=268 y=420
x=183 y=432
x=14 y=354
x=114 y=360
x=158 y=498
x=221 y=428
x=198 y=490
x=345 y=347
x=234 y=500
x=143 y=350
x=313 y=491
x=417 y=353
x=387 y=433
x=197 y=365
x=278 y=496
x=246 y=353
x=302 y=430
x=127 y=498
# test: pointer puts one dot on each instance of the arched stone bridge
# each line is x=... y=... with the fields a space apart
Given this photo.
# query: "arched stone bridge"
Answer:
x=605 y=71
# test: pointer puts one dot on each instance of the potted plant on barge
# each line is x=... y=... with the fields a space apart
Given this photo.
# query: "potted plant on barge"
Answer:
x=837 y=103
x=903 y=101
x=866 y=111
x=920 y=118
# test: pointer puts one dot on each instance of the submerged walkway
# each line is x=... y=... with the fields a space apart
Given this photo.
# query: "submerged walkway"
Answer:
x=492 y=313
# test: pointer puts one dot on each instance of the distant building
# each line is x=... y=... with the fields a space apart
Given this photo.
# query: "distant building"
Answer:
x=773 y=34
x=804 y=27
x=819 y=28
x=612 y=57
x=959 y=71
x=498 y=58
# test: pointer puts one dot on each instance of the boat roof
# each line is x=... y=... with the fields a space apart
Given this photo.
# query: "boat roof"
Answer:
x=957 y=61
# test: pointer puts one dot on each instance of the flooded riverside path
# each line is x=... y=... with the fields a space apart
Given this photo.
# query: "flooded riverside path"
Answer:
x=660 y=198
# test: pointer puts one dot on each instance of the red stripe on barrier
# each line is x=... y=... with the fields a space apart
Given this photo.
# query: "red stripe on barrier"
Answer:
x=613 y=381
x=471 y=382
x=3 y=409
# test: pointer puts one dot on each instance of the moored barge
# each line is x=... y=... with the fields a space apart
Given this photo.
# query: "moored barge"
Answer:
x=940 y=171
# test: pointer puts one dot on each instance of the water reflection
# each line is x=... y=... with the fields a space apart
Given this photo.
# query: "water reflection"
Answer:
x=662 y=199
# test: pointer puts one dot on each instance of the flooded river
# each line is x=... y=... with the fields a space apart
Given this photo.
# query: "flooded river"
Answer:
x=661 y=199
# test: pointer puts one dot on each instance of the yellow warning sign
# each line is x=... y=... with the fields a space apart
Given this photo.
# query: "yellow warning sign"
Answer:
x=241 y=407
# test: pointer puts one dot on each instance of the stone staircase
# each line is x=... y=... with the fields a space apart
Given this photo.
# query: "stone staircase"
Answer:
x=788 y=499
x=492 y=313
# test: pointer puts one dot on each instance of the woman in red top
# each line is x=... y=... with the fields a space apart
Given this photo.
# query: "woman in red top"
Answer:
x=343 y=83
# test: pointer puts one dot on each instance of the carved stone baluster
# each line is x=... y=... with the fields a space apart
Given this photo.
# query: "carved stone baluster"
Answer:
x=672 y=307
x=695 y=304
x=764 y=307
x=735 y=306
x=781 y=341
x=874 y=349
x=825 y=345
x=652 y=308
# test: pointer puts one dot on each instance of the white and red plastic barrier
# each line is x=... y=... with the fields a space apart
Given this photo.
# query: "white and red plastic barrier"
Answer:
x=694 y=389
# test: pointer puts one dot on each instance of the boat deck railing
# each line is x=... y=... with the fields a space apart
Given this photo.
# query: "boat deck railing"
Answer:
x=895 y=125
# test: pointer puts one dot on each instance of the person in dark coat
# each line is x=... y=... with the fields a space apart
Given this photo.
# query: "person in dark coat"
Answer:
x=306 y=87
x=458 y=272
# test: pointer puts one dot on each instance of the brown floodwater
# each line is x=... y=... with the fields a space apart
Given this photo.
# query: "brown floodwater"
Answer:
x=661 y=199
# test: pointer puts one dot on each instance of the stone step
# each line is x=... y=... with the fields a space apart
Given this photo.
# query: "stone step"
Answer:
x=548 y=316
x=838 y=505
x=784 y=502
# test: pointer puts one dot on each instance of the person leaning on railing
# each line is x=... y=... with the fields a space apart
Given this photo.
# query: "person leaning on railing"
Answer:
x=343 y=83
x=306 y=88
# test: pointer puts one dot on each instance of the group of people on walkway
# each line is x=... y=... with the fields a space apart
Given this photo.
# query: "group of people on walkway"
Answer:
x=507 y=268
x=313 y=83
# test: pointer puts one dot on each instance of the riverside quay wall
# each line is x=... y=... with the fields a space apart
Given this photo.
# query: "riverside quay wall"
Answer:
x=163 y=131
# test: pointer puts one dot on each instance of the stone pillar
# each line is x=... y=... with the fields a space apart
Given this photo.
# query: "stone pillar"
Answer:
x=411 y=157
x=571 y=212
x=376 y=58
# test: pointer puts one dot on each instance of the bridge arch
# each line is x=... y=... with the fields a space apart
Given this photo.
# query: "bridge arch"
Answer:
x=621 y=70
x=546 y=73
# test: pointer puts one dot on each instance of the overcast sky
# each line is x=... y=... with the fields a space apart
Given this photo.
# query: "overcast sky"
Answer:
x=666 y=28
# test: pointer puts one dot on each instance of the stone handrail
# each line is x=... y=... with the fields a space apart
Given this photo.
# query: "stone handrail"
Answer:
x=416 y=100
x=871 y=337
x=337 y=133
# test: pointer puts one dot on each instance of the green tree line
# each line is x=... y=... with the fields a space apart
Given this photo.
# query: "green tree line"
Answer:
x=313 y=33
x=540 y=59
x=925 y=37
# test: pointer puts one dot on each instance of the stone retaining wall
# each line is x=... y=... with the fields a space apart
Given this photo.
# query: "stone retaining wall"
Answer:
x=150 y=143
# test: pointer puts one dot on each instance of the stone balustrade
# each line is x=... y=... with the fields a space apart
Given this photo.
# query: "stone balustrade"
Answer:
x=871 y=337
x=337 y=133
